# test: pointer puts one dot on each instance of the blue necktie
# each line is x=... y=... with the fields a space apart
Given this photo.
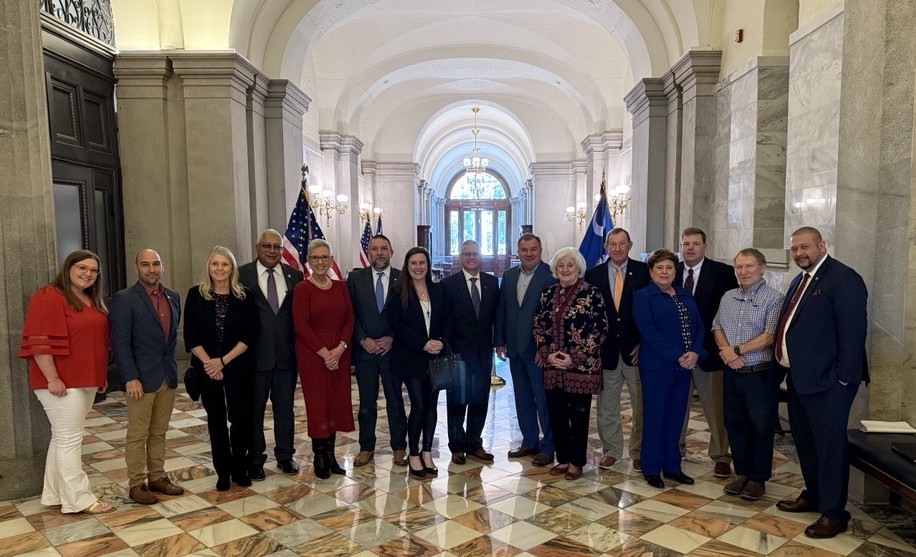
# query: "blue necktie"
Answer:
x=475 y=297
x=272 y=297
x=379 y=293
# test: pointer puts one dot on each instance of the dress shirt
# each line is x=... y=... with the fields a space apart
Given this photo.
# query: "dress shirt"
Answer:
x=162 y=307
x=696 y=274
x=279 y=278
x=785 y=350
x=524 y=279
x=612 y=276
x=386 y=276
x=746 y=314
x=467 y=282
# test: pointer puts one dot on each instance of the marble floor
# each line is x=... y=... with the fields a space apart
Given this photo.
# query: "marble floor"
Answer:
x=505 y=508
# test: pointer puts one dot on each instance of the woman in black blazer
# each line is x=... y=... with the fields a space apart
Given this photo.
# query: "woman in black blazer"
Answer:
x=220 y=324
x=417 y=314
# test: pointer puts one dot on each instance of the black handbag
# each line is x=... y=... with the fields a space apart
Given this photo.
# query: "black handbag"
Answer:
x=191 y=384
x=448 y=372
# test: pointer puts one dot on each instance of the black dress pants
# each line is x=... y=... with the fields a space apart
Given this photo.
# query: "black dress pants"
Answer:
x=421 y=423
x=471 y=400
x=368 y=373
x=231 y=398
x=278 y=385
x=569 y=422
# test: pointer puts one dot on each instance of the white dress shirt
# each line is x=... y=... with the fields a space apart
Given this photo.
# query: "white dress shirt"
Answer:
x=279 y=278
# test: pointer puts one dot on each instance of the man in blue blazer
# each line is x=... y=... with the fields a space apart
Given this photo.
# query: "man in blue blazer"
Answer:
x=820 y=340
x=271 y=284
x=144 y=339
x=472 y=298
x=518 y=301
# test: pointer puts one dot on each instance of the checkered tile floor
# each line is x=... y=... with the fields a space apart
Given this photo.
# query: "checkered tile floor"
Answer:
x=505 y=508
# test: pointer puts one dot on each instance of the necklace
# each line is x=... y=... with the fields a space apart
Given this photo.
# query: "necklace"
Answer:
x=323 y=286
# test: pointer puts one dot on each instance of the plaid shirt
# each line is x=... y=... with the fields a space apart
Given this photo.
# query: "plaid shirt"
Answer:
x=744 y=315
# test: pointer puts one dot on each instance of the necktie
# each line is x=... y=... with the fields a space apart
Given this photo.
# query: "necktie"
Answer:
x=272 y=297
x=475 y=296
x=688 y=284
x=618 y=288
x=379 y=293
x=783 y=323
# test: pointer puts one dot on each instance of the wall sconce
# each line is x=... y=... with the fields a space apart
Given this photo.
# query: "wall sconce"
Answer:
x=324 y=202
x=576 y=214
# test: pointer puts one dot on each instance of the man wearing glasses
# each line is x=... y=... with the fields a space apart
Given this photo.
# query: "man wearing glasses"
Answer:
x=271 y=283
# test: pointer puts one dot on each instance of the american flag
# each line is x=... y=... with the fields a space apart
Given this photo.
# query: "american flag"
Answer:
x=364 y=245
x=378 y=225
x=303 y=228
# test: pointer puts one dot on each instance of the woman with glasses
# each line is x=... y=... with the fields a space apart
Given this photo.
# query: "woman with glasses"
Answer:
x=323 y=319
x=220 y=324
x=65 y=340
x=417 y=314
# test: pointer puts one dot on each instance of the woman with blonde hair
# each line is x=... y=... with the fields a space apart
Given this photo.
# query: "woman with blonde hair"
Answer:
x=220 y=324
x=65 y=340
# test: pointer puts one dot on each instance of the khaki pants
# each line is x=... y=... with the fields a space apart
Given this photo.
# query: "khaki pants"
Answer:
x=147 y=423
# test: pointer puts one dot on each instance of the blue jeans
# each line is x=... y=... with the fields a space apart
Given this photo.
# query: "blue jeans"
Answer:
x=531 y=404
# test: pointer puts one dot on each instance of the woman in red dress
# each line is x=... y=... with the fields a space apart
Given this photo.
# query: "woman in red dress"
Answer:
x=65 y=340
x=323 y=318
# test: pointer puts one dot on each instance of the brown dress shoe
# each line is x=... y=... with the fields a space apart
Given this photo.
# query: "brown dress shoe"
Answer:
x=722 y=470
x=542 y=459
x=637 y=465
x=573 y=472
x=521 y=452
x=458 y=458
x=736 y=487
x=164 y=485
x=481 y=454
x=559 y=470
x=754 y=491
x=824 y=528
x=362 y=458
x=607 y=462
x=795 y=506
x=141 y=494
x=400 y=458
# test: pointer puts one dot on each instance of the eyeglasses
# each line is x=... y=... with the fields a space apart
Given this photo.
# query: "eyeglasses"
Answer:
x=470 y=254
x=321 y=258
x=270 y=247
x=86 y=269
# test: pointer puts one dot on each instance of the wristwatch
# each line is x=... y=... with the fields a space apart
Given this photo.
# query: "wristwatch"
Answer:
x=737 y=349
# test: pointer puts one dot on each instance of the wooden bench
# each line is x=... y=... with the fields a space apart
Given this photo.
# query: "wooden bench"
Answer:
x=872 y=454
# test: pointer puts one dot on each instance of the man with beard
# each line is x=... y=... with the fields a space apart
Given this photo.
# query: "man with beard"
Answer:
x=369 y=289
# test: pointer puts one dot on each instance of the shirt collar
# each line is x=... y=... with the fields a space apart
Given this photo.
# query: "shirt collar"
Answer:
x=159 y=289
x=262 y=269
x=385 y=272
x=813 y=270
x=468 y=276
x=696 y=268
x=623 y=267
x=752 y=291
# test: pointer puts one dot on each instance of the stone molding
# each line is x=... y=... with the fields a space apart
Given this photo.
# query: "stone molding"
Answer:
x=213 y=74
x=646 y=99
x=602 y=142
x=285 y=100
x=142 y=76
x=340 y=144
x=697 y=73
x=542 y=169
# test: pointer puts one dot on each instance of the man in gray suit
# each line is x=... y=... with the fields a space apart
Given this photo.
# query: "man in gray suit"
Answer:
x=518 y=301
x=271 y=283
x=144 y=341
x=369 y=290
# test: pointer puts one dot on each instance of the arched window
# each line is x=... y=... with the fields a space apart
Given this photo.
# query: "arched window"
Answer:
x=478 y=209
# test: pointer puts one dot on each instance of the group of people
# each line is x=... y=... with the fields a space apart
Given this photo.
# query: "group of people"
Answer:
x=663 y=328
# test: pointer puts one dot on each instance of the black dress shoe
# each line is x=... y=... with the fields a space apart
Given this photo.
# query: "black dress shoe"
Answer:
x=522 y=452
x=798 y=505
x=287 y=467
x=241 y=479
x=680 y=478
x=257 y=474
x=322 y=467
x=824 y=528
x=223 y=483
x=655 y=481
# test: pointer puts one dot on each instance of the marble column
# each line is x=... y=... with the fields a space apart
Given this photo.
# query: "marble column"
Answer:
x=285 y=107
x=27 y=247
x=556 y=189
x=602 y=155
x=648 y=104
x=345 y=150
x=257 y=149
x=395 y=190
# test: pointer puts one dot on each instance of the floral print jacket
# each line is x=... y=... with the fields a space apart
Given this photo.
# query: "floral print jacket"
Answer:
x=578 y=330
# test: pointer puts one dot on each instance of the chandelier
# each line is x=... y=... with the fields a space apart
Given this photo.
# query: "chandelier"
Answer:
x=474 y=166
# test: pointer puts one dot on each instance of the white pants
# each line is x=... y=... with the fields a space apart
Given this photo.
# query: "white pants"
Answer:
x=65 y=482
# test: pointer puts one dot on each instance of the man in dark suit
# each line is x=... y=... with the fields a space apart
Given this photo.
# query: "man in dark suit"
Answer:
x=708 y=280
x=518 y=301
x=472 y=298
x=271 y=283
x=144 y=340
x=372 y=337
x=617 y=279
x=820 y=341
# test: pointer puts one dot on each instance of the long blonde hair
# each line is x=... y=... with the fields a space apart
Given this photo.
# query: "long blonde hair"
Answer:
x=206 y=284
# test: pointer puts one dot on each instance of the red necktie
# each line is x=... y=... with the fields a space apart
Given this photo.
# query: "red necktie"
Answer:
x=781 y=331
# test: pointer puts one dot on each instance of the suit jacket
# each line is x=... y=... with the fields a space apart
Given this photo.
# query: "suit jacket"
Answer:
x=409 y=327
x=369 y=322
x=825 y=341
x=275 y=344
x=623 y=336
x=137 y=338
x=469 y=334
x=200 y=329
x=660 y=326
x=715 y=280
x=514 y=322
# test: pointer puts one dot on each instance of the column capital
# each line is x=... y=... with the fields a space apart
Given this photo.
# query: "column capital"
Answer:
x=213 y=74
x=286 y=100
x=341 y=144
x=368 y=168
x=399 y=170
x=646 y=98
x=142 y=75
x=697 y=72
x=601 y=142
x=559 y=168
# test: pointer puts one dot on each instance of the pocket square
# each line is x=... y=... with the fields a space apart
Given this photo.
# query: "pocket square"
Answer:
x=817 y=292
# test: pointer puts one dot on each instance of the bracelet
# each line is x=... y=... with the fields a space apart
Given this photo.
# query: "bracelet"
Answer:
x=344 y=344
x=52 y=380
x=221 y=361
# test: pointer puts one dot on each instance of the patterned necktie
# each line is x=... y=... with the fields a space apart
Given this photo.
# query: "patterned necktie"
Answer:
x=618 y=288
x=688 y=284
x=272 y=297
x=781 y=331
x=475 y=296
x=379 y=293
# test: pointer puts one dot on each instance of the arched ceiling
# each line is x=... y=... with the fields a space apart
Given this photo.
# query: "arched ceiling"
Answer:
x=402 y=75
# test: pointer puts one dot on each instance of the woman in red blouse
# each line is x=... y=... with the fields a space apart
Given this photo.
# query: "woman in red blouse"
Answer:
x=65 y=340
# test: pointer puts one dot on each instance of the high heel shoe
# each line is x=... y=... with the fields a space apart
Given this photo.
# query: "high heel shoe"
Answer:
x=223 y=483
x=431 y=470
x=417 y=473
